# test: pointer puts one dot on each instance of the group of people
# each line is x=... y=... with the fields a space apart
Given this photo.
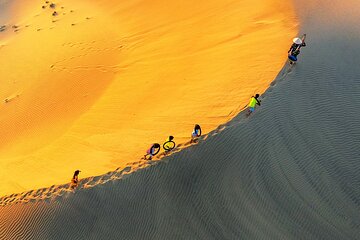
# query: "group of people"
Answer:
x=196 y=133
x=152 y=151
x=169 y=144
x=293 y=52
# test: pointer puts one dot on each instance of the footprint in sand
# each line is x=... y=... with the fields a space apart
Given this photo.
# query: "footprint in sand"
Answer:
x=289 y=71
x=273 y=83
x=11 y=98
x=92 y=181
x=125 y=170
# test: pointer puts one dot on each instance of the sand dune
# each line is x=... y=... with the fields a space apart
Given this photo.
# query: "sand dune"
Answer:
x=90 y=85
x=290 y=171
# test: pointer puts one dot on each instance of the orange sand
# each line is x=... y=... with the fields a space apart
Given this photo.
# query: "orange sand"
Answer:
x=93 y=87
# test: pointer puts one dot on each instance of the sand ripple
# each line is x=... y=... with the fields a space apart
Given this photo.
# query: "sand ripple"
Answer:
x=290 y=171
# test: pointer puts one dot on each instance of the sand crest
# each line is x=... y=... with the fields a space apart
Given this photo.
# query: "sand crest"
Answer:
x=91 y=86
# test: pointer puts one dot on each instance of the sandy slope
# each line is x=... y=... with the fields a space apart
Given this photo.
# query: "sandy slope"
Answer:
x=92 y=87
x=290 y=171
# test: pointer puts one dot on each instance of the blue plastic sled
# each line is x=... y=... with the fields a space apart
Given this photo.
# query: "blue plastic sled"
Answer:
x=293 y=58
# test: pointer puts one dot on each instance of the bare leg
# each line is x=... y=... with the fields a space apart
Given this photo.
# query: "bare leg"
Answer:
x=145 y=157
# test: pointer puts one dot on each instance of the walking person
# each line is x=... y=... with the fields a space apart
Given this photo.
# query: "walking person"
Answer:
x=169 y=144
x=196 y=133
x=294 y=50
x=253 y=102
x=75 y=179
x=152 y=151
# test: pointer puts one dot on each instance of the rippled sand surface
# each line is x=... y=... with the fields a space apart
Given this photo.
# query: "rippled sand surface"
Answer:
x=289 y=171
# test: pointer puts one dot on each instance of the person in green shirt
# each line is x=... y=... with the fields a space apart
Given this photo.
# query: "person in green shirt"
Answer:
x=253 y=102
